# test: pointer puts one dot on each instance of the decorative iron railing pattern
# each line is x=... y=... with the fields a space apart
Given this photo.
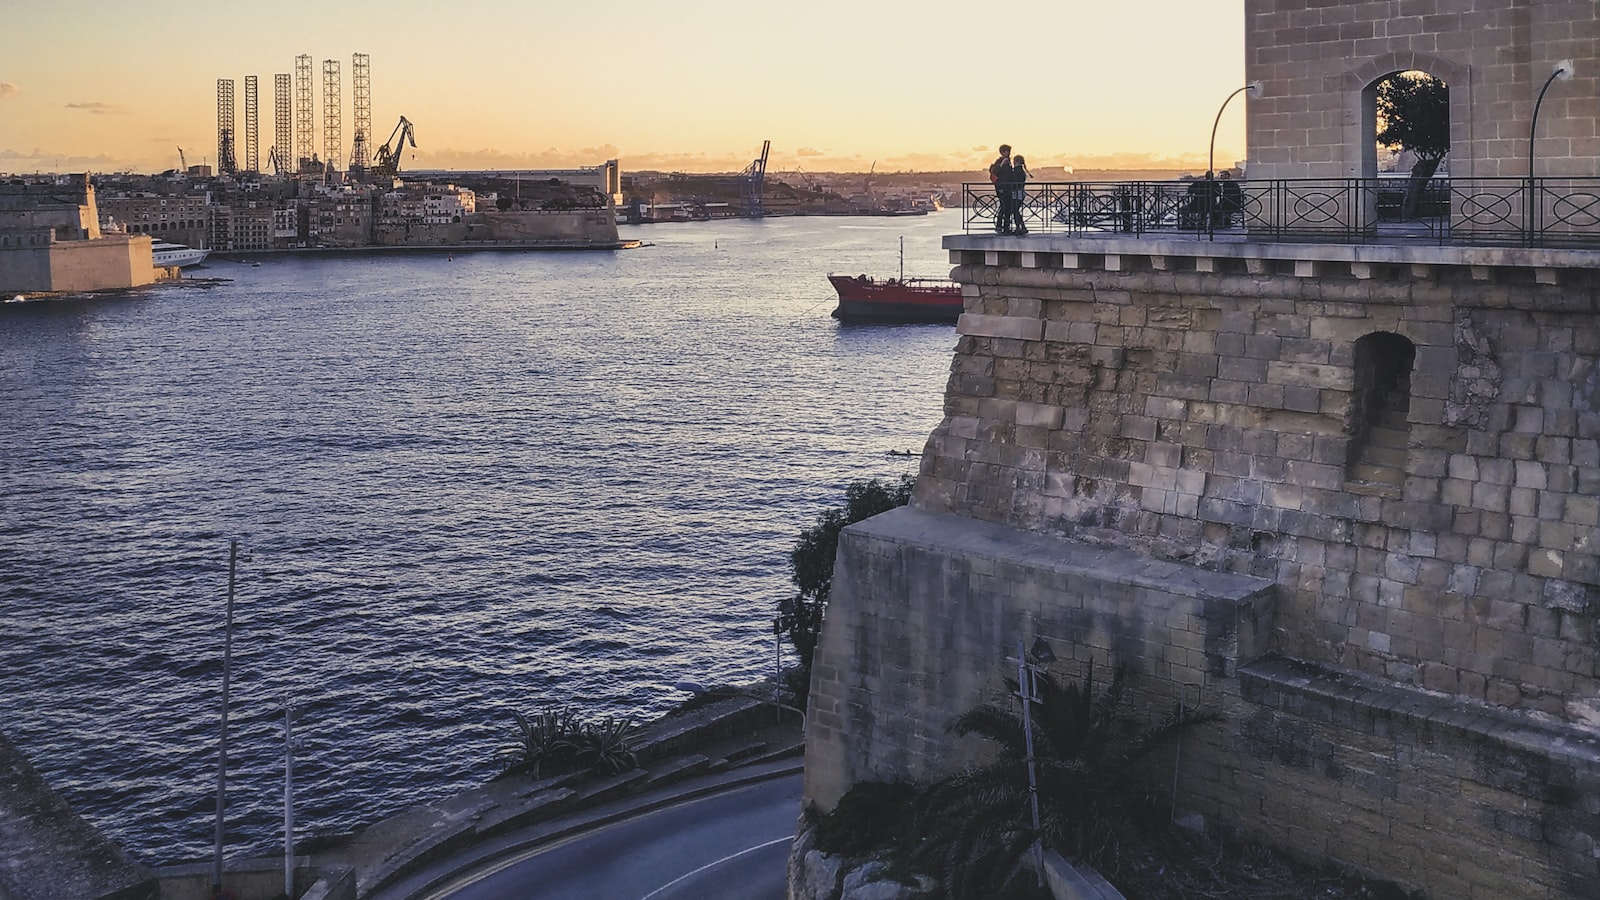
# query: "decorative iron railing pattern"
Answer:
x=1512 y=212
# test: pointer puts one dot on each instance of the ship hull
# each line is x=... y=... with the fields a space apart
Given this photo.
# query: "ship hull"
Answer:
x=163 y=253
x=863 y=299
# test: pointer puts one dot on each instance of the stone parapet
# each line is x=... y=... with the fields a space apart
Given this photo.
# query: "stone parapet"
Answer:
x=1238 y=254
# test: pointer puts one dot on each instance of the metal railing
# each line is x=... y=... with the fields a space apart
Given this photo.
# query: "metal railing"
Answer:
x=1511 y=212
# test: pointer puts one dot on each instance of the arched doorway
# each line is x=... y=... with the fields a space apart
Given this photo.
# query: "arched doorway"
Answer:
x=1407 y=127
x=1379 y=422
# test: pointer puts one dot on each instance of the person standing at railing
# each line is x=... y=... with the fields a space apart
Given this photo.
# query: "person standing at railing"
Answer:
x=1018 y=191
x=1000 y=177
x=1230 y=200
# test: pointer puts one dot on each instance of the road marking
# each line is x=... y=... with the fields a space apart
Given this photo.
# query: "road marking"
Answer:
x=712 y=865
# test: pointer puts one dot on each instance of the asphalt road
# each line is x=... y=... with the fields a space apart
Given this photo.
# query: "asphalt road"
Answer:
x=732 y=845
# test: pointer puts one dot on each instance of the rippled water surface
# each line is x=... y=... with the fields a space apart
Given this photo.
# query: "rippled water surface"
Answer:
x=463 y=485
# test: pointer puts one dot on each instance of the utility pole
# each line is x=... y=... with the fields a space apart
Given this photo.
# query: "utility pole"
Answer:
x=222 y=743
x=1030 y=696
x=1029 y=664
x=289 y=717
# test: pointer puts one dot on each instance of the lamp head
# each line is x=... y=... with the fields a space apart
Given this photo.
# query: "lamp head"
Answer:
x=1565 y=70
x=1041 y=652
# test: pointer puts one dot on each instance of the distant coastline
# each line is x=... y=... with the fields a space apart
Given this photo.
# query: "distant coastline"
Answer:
x=243 y=255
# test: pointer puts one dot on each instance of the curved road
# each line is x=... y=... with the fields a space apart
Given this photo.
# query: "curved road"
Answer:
x=733 y=845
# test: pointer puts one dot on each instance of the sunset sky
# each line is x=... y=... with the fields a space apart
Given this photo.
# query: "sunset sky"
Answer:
x=681 y=85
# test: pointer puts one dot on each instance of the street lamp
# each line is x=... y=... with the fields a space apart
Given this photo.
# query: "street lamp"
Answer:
x=1564 y=72
x=1254 y=88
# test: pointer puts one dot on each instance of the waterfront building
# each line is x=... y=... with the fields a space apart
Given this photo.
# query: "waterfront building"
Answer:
x=179 y=217
x=243 y=225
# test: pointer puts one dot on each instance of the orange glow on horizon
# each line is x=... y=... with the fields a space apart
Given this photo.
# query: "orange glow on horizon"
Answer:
x=692 y=86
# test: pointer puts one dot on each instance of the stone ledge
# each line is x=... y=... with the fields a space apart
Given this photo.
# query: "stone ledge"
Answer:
x=1324 y=694
x=1542 y=264
x=932 y=530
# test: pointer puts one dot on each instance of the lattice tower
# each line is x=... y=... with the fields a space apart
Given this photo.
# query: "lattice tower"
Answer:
x=225 y=127
x=361 y=106
x=252 y=124
x=305 y=114
x=283 y=122
x=332 y=116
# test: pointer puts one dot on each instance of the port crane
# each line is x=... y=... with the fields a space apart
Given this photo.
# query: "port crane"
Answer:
x=754 y=177
x=387 y=164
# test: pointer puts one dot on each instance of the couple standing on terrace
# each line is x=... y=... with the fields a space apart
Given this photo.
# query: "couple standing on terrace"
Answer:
x=1009 y=175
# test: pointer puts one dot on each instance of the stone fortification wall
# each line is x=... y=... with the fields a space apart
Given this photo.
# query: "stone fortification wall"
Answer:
x=1317 y=60
x=65 y=205
x=108 y=263
x=926 y=608
x=587 y=226
x=521 y=227
x=1214 y=417
x=1457 y=800
x=1347 y=496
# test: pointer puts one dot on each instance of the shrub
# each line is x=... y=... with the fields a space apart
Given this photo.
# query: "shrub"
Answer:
x=811 y=563
x=866 y=819
x=1085 y=755
x=555 y=741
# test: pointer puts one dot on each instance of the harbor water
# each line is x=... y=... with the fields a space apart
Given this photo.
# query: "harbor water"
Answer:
x=461 y=485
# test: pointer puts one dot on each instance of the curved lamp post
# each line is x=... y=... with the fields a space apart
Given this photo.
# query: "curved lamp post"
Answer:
x=1563 y=72
x=1254 y=88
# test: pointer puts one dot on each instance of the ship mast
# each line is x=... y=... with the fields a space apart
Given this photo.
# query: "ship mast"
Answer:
x=902 y=258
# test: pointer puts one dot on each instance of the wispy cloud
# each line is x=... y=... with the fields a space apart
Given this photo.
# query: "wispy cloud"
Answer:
x=95 y=107
x=7 y=89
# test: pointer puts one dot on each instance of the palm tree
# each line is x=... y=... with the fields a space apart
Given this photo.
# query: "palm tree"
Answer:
x=1085 y=755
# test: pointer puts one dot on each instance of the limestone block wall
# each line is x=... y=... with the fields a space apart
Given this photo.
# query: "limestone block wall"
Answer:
x=1316 y=58
x=592 y=226
x=1454 y=798
x=113 y=261
x=107 y=263
x=24 y=269
x=926 y=608
x=1203 y=409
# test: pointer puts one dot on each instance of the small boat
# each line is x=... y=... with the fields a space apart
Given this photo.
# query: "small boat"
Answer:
x=863 y=299
x=166 y=253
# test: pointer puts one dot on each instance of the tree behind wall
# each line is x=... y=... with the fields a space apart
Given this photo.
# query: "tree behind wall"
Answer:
x=811 y=562
x=1413 y=113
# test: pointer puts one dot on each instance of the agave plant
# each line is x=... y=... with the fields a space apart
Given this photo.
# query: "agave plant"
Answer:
x=1084 y=755
x=546 y=740
x=559 y=740
x=603 y=747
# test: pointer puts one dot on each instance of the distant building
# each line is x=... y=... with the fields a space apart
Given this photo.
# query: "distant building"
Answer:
x=605 y=178
x=179 y=218
x=50 y=240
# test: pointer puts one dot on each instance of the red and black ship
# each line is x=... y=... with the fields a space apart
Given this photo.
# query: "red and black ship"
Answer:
x=863 y=299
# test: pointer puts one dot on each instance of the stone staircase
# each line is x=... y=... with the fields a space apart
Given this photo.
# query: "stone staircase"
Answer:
x=1382 y=458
